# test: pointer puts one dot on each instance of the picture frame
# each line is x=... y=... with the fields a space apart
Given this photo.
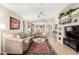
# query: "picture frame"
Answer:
x=56 y=26
x=14 y=23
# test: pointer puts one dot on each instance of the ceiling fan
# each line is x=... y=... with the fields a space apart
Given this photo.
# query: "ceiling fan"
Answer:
x=41 y=14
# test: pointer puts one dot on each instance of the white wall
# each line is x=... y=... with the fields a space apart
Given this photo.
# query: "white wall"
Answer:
x=5 y=18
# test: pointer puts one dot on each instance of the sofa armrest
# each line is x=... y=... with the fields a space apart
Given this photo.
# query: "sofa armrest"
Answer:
x=14 y=45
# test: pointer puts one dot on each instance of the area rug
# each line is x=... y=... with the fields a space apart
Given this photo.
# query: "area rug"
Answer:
x=40 y=48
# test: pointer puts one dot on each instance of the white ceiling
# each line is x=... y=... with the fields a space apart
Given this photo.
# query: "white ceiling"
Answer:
x=30 y=11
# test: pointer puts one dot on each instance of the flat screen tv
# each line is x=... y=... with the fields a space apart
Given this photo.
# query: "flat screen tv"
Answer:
x=72 y=32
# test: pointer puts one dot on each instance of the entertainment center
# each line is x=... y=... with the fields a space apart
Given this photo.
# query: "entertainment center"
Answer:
x=72 y=37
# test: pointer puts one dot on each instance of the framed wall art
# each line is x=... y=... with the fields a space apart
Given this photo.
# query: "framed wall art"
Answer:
x=14 y=23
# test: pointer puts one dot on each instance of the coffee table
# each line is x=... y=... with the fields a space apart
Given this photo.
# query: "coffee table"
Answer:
x=39 y=40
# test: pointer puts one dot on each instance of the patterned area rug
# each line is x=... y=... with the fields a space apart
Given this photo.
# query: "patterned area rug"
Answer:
x=41 y=48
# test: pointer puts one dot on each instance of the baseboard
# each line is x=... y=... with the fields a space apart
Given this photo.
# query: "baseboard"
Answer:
x=3 y=53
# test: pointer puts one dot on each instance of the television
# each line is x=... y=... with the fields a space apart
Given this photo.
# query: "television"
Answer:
x=72 y=32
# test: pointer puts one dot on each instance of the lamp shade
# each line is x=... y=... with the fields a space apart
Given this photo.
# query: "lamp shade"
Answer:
x=3 y=26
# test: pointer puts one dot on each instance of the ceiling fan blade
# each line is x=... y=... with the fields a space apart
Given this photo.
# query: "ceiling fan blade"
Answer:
x=41 y=13
x=44 y=15
x=38 y=16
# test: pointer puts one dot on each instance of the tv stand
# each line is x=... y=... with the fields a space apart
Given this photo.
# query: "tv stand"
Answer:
x=72 y=43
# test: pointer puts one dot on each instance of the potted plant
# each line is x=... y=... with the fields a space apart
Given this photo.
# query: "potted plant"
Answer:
x=60 y=16
x=69 y=13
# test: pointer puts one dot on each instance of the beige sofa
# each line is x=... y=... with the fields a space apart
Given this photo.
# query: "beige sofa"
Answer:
x=38 y=34
x=17 y=45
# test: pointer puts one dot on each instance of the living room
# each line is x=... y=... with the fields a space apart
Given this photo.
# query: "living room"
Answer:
x=38 y=28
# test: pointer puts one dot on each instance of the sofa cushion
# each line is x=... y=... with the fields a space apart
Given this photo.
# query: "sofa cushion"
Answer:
x=10 y=36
